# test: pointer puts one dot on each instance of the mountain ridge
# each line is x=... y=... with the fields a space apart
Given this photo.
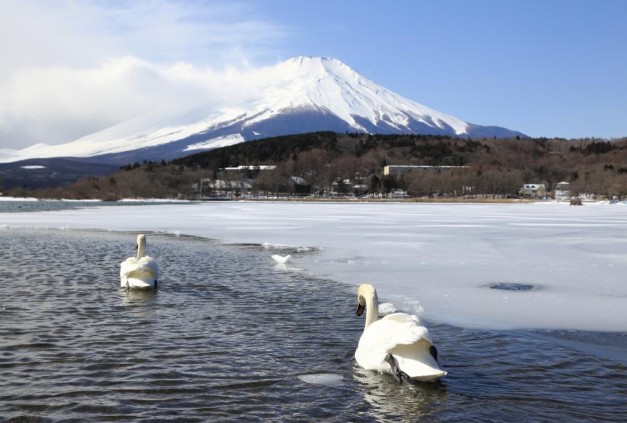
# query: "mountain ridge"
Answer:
x=302 y=94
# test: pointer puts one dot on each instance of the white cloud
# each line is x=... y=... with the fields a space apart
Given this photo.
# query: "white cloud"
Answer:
x=59 y=104
x=74 y=67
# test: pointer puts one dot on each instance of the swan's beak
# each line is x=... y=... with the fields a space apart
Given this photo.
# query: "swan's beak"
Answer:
x=360 y=309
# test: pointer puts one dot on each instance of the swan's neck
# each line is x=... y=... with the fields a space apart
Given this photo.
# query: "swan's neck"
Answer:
x=372 y=309
x=141 y=248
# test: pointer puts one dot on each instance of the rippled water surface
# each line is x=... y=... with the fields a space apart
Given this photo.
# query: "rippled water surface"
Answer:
x=230 y=336
x=20 y=206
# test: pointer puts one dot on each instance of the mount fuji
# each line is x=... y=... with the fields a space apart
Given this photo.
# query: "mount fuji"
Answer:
x=302 y=94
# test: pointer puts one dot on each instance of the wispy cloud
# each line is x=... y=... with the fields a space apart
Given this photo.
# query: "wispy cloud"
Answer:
x=74 y=67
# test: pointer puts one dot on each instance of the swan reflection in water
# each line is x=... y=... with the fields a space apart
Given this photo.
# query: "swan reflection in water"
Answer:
x=137 y=297
x=390 y=400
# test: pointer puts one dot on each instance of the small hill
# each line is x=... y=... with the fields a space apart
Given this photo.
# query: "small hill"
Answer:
x=46 y=173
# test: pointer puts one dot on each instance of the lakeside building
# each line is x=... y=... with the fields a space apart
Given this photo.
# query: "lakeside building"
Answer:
x=562 y=191
x=533 y=190
x=253 y=167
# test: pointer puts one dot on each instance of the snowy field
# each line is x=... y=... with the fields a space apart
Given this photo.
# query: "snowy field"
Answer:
x=438 y=259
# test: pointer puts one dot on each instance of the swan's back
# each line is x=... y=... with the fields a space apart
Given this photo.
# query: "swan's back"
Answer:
x=395 y=329
x=142 y=273
x=145 y=264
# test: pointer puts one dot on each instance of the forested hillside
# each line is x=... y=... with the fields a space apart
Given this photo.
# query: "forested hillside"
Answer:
x=327 y=163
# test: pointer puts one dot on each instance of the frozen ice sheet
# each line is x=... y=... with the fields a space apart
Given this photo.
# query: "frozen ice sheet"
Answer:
x=441 y=259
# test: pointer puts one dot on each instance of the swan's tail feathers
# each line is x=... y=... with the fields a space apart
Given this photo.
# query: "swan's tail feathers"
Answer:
x=419 y=361
x=140 y=277
x=134 y=282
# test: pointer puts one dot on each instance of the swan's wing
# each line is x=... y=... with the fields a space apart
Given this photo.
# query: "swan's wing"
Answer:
x=397 y=329
x=126 y=265
x=382 y=336
x=404 y=328
x=150 y=263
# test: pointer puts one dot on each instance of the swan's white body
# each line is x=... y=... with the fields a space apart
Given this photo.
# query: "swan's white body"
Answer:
x=140 y=271
x=282 y=259
x=399 y=334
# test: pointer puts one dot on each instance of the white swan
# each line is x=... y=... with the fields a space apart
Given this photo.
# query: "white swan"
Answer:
x=397 y=344
x=140 y=271
x=282 y=259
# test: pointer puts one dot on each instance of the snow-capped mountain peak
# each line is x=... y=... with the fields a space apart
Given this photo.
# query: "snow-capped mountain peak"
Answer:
x=330 y=85
x=302 y=94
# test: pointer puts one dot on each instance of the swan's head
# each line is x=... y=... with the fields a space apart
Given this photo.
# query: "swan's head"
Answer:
x=141 y=240
x=365 y=294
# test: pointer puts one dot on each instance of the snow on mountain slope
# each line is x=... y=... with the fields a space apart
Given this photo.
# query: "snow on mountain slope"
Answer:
x=216 y=142
x=330 y=85
x=302 y=94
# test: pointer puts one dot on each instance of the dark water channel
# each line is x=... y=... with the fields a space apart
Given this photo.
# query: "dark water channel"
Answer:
x=229 y=336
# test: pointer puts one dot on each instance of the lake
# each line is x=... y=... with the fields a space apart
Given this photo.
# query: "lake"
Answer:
x=230 y=336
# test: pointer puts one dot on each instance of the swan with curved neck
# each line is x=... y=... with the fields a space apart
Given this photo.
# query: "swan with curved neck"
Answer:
x=368 y=299
x=140 y=271
x=397 y=343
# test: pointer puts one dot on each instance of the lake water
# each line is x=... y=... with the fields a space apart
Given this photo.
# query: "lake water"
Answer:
x=20 y=205
x=229 y=336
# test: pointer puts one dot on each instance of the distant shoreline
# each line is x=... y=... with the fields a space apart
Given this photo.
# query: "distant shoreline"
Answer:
x=391 y=200
x=321 y=200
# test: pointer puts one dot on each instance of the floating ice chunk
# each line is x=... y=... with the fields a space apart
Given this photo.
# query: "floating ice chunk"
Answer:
x=282 y=259
x=386 y=308
x=329 y=379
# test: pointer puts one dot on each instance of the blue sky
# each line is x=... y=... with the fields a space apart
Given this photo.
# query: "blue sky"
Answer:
x=554 y=68
x=544 y=67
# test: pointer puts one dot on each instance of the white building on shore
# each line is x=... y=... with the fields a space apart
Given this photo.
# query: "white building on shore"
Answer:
x=562 y=191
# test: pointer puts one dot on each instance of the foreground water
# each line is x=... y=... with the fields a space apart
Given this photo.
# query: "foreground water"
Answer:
x=230 y=336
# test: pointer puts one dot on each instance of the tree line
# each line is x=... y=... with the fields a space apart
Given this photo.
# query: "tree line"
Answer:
x=327 y=163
